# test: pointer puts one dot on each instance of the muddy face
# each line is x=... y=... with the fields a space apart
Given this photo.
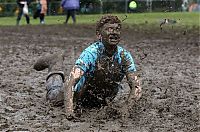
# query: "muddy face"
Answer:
x=111 y=34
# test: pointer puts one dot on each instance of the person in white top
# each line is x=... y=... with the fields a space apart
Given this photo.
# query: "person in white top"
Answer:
x=23 y=10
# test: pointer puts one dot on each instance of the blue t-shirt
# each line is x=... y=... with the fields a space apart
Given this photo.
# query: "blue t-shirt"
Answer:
x=90 y=58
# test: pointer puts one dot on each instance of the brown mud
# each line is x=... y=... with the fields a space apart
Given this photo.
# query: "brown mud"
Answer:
x=167 y=62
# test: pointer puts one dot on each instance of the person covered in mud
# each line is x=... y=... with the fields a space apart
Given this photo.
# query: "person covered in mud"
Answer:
x=95 y=78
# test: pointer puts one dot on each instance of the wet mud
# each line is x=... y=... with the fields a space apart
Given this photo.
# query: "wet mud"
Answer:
x=167 y=63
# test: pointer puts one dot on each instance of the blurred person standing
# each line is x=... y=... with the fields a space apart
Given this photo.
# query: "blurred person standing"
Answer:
x=23 y=10
x=184 y=5
x=70 y=7
x=43 y=11
x=38 y=10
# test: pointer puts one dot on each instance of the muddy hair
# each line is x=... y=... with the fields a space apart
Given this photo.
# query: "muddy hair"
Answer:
x=106 y=19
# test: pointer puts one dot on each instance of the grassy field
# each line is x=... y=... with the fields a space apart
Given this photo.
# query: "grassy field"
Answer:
x=186 y=19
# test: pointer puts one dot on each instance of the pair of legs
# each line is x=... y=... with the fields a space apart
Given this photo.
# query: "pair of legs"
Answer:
x=20 y=16
x=71 y=13
x=43 y=12
x=40 y=12
x=40 y=15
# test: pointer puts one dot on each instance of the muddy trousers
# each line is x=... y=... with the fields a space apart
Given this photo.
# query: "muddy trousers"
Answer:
x=71 y=13
x=54 y=87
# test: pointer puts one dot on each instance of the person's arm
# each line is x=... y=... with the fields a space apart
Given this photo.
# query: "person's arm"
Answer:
x=74 y=77
x=135 y=88
x=82 y=66
x=132 y=78
x=62 y=3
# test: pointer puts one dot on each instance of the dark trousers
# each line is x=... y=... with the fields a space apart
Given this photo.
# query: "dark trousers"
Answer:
x=41 y=17
x=20 y=16
x=38 y=14
x=71 y=13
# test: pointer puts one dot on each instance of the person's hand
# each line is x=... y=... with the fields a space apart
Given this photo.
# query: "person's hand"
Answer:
x=131 y=101
x=136 y=95
x=136 y=90
x=70 y=114
x=75 y=74
x=61 y=8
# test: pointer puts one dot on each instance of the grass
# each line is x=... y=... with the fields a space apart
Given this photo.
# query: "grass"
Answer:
x=183 y=18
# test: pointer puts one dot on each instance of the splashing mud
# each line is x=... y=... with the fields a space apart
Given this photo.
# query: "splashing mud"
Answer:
x=167 y=62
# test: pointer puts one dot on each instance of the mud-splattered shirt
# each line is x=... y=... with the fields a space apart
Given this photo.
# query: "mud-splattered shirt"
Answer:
x=96 y=65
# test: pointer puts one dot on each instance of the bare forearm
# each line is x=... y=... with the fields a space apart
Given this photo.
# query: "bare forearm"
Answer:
x=135 y=92
x=68 y=98
x=74 y=77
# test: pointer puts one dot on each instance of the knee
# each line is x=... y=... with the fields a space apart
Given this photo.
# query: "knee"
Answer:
x=54 y=85
x=55 y=97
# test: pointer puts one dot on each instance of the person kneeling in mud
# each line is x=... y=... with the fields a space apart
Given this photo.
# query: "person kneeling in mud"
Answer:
x=95 y=78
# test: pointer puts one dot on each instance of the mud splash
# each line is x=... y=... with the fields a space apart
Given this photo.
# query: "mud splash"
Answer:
x=168 y=64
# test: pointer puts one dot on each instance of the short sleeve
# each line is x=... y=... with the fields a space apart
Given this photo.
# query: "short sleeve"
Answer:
x=131 y=64
x=85 y=61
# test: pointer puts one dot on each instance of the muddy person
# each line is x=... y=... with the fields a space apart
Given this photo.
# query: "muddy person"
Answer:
x=95 y=78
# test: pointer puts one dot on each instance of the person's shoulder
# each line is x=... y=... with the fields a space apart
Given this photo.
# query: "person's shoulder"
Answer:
x=120 y=49
x=94 y=47
x=90 y=54
x=125 y=52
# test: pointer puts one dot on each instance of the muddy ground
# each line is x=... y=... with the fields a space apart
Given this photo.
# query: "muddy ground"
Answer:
x=167 y=62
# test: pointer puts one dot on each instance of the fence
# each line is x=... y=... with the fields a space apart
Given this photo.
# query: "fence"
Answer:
x=103 y=6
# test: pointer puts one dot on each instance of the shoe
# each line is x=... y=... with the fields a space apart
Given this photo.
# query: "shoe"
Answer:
x=65 y=23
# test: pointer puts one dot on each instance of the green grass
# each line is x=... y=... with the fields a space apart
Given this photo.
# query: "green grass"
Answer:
x=185 y=19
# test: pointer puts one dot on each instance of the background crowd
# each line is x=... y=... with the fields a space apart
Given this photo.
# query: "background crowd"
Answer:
x=41 y=8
